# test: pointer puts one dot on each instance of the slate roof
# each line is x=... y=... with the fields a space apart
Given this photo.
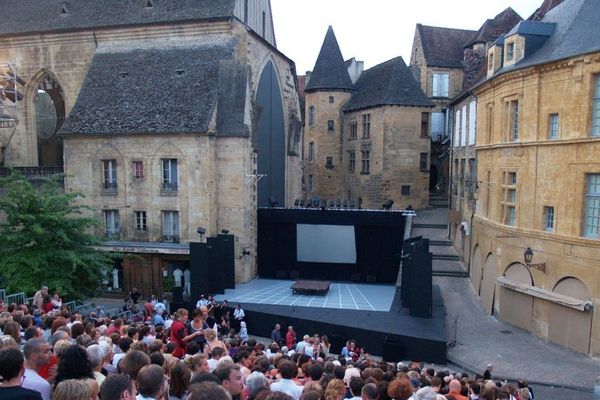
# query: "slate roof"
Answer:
x=532 y=28
x=330 y=71
x=389 y=83
x=492 y=28
x=149 y=90
x=443 y=47
x=576 y=32
x=29 y=16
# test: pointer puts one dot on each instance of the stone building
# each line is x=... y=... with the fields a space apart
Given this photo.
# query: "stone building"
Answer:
x=177 y=115
x=366 y=133
x=535 y=233
x=463 y=114
x=437 y=63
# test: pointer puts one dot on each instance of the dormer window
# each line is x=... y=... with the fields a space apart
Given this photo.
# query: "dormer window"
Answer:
x=440 y=84
x=510 y=51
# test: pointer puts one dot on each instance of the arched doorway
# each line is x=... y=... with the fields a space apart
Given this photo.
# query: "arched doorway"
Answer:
x=568 y=326
x=488 y=284
x=270 y=139
x=517 y=308
x=49 y=115
x=476 y=269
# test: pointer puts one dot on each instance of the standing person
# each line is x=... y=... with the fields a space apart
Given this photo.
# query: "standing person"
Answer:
x=325 y=346
x=47 y=305
x=276 y=335
x=239 y=316
x=38 y=297
x=198 y=324
x=290 y=338
x=179 y=333
x=37 y=353
x=12 y=370
x=56 y=301
x=243 y=332
x=118 y=387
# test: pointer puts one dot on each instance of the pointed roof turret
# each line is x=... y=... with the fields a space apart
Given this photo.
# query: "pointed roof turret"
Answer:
x=330 y=72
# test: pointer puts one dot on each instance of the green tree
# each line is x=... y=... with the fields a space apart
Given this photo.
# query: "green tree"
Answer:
x=45 y=239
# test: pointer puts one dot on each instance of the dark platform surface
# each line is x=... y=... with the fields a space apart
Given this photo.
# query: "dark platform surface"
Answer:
x=394 y=334
x=317 y=287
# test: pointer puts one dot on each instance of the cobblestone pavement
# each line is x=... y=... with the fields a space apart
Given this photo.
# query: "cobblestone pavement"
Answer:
x=479 y=338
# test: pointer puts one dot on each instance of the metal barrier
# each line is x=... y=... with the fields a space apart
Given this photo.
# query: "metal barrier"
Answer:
x=18 y=298
x=29 y=301
x=84 y=308
x=2 y=294
x=113 y=312
x=70 y=305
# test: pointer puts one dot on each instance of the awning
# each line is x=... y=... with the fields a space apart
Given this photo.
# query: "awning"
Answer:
x=567 y=301
x=145 y=247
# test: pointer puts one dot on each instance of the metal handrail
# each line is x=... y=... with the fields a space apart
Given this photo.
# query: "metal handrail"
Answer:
x=2 y=294
x=18 y=298
x=70 y=305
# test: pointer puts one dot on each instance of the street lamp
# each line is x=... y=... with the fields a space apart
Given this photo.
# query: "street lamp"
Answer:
x=528 y=256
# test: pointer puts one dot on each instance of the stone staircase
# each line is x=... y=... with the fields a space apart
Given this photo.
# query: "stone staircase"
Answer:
x=432 y=223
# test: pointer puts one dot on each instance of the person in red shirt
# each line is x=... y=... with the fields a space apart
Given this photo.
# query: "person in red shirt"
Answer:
x=47 y=305
x=290 y=338
x=179 y=333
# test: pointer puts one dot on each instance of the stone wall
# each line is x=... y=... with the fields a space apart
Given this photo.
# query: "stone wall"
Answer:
x=550 y=173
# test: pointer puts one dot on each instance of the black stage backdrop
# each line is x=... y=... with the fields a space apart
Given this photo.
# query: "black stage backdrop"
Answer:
x=378 y=237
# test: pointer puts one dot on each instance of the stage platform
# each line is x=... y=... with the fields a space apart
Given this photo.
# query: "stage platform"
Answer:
x=347 y=296
x=371 y=314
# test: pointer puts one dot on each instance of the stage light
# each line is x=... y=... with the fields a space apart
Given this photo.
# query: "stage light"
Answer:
x=323 y=204
x=201 y=231
x=338 y=203
x=296 y=202
x=301 y=202
x=351 y=204
x=315 y=202
x=224 y=231
x=331 y=203
x=345 y=204
x=272 y=202
x=388 y=204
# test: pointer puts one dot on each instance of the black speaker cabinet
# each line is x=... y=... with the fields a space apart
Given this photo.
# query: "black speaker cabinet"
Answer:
x=227 y=241
x=198 y=270
x=216 y=261
x=420 y=286
x=392 y=350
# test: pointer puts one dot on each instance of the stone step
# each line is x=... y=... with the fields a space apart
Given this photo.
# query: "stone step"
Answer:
x=429 y=226
x=450 y=257
x=438 y=206
x=440 y=243
x=450 y=274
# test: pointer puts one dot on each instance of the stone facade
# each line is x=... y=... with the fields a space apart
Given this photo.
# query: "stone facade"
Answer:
x=217 y=173
x=533 y=192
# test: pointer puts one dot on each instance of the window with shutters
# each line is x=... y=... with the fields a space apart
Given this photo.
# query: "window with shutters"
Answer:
x=169 y=175
x=440 y=84
x=170 y=226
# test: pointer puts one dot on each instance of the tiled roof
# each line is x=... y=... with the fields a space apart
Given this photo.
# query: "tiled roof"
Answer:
x=443 y=47
x=330 y=72
x=28 y=16
x=389 y=83
x=492 y=28
x=149 y=90
x=576 y=32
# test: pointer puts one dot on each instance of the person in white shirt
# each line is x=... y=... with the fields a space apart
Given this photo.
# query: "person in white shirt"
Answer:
x=202 y=302
x=37 y=352
x=177 y=274
x=238 y=316
x=286 y=384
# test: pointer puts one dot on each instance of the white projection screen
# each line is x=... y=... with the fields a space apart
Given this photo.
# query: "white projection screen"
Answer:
x=325 y=244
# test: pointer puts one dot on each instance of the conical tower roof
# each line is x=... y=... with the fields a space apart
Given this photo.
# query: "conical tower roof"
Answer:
x=329 y=73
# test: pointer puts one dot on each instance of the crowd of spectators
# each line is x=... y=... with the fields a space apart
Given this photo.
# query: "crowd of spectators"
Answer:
x=60 y=355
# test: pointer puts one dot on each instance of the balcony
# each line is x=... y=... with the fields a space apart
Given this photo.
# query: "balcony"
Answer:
x=36 y=175
x=169 y=188
x=170 y=238
x=109 y=188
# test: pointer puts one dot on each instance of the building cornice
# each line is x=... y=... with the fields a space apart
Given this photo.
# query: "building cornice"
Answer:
x=516 y=234
x=535 y=143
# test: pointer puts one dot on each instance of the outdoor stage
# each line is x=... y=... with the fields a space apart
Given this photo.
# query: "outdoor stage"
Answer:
x=372 y=314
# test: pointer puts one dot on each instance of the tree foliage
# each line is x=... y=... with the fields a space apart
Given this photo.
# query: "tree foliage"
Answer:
x=46 y=239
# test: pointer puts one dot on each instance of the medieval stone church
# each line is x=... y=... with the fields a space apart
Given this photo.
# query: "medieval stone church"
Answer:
x=166 y=115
